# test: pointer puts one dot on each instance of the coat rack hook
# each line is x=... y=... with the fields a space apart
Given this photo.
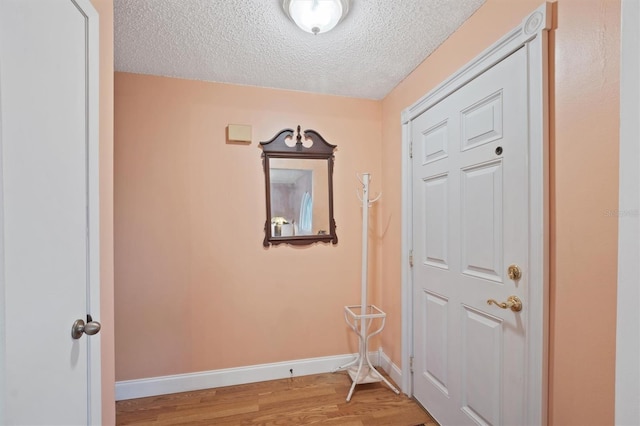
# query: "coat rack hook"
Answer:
x=375 y=199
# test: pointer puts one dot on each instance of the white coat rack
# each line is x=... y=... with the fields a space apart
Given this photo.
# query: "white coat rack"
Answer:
x=361 y=317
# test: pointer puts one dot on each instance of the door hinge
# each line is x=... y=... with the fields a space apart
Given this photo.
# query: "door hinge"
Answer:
x=411 y=148
x=411 y=364
x=411 y=258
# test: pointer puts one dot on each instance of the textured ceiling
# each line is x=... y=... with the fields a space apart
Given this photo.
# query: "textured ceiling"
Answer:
x=252 y=42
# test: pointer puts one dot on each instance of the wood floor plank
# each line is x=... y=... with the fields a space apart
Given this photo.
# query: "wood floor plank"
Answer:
x=291 y=395
x=308 y=400
x=209 y=412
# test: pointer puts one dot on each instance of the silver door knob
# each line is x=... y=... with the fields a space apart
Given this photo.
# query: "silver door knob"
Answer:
x=79 y=327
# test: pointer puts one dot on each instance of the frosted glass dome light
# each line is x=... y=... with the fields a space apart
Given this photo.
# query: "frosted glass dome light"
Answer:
x=316 y=16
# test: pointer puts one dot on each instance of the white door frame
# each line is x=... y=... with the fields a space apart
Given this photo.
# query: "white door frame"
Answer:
x=93 y=185
x=532 y=35
x=627 y=411
x=94 y=402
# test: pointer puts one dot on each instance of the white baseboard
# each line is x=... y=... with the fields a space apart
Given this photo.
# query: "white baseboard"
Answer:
x=163 y=385
x=391 y=369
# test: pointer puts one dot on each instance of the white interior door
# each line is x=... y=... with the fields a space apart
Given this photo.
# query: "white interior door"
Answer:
x=49 y=233
x=470 y=223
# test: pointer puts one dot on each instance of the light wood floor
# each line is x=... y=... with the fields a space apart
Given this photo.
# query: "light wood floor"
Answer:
x=317 y=399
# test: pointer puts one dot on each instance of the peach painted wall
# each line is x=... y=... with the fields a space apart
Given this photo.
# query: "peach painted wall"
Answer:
x=584 y=186
x=584 y=257
x=105 y=10
x=195 y=288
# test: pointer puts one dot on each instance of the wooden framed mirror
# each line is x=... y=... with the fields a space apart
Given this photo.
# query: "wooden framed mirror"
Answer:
x=299 y=189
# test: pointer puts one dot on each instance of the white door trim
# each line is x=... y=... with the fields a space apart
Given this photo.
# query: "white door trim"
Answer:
x=3 y=365
x=627 y=411
x=85 y=7
x=93 y=214
x=532 y=35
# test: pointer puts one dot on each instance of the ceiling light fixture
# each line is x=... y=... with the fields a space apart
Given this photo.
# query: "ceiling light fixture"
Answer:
x=316 y=16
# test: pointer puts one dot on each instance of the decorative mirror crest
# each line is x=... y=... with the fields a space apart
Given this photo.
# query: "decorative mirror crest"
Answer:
x=299 y=189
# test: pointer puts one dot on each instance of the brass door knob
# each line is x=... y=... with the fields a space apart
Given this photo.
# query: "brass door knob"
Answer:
x=514 y=272
x=513 y=302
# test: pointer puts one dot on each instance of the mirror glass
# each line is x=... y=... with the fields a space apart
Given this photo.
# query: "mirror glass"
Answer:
x=299 y=189
x=299 y=197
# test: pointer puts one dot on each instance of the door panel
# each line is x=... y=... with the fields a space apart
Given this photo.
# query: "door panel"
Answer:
x=436 y=354
x=481 y=224
x=47 y=220
x=470 y=221
x=481 y=384
x=482 y=122
x=436 y=222
x=435 y=143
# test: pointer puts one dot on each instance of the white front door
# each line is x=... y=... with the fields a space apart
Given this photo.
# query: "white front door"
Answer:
x=48 y=212
x=470 y=223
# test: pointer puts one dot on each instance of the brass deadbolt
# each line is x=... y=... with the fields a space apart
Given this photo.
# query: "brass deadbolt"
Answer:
x=514 y=272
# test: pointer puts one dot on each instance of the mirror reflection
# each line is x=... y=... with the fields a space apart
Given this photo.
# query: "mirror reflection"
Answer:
x=299 y=197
